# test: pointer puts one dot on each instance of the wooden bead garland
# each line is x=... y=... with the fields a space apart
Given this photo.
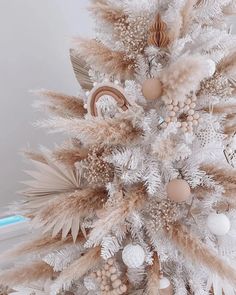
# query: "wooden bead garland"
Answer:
x=106 y=88
x=183 y=113
x=109 y=279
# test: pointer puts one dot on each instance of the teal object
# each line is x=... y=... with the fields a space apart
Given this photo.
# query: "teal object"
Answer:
x=11 y=220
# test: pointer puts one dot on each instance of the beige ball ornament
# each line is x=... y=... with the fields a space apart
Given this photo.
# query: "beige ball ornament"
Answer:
x=152 y=88
x=178 y=190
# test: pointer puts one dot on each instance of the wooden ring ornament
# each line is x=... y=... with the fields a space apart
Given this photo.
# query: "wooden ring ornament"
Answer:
x=110 y=89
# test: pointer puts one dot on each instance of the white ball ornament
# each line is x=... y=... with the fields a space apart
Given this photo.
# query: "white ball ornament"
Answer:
x=211 y=67
x=133 y=256
x=218 y=224
x=164 y=283
x=165 y=287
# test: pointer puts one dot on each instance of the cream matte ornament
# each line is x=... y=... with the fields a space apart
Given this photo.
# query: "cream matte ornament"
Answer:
x=133 y=256
x=178 y=190
x=218 y=224
x=152 y=88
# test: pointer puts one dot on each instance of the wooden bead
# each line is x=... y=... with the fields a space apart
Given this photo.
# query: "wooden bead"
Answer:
x=110 y=261
x=123 y=288
x=112 y=270
x=116 y=284
x=152 y=88
x=178 y=190
x=113 y=277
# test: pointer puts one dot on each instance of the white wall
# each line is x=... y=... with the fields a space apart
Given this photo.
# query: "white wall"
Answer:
x=34 y=43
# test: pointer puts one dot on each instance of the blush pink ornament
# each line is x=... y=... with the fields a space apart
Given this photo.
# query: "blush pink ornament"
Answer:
x=152 y=88
x=178 y=190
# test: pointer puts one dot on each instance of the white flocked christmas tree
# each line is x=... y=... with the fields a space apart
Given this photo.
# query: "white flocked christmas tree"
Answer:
x=141 y=196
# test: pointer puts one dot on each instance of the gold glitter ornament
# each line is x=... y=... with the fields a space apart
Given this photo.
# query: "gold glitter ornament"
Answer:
x=96 y=170
x=163 y=213
x=217 y=85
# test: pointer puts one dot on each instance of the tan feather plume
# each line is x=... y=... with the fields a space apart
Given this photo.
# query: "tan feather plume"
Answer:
x=96 y=130
x=61 y=104
x=35 y=156
x=28 y=273
x=187 y=15
x=104 y=59
x=198 y=252
x=77 y=269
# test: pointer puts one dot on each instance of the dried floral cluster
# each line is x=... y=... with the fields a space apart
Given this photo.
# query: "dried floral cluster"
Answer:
x=127 y=206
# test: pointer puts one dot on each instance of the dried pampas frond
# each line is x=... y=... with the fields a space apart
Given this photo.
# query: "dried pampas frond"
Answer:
x=35 y=156
x=193 y=249
x=81 y=70
x=230 y=124
x=187 y=16
x=61 y=104
x=228 y=65
x=117 y=213
x=106 y=12
x=76 y=270
x=65 y=212
x=153 y=277
x=95 y=130
x=184 y=76
x=69 y=154
x=224 y=177
x=40 y=246
x=28 y=273
x=104 y=59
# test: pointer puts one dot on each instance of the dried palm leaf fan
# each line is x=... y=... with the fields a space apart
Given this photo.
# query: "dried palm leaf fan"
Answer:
x=81 y=70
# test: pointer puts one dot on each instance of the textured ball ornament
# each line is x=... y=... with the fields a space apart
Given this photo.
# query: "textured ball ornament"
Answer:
x=152 y=89
x=178 y=190
x=133 y=256
x=218 y=224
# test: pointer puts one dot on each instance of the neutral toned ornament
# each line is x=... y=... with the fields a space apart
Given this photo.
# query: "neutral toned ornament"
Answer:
x=178 y=190
x=133 y=256
x=152 y=88
x=110 y=89
x=165 y=286
x=158 y=33
x=218 y=224
x=211 y=67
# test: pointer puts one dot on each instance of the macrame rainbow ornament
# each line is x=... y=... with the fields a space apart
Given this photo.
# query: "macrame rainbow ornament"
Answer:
x=108 y=89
